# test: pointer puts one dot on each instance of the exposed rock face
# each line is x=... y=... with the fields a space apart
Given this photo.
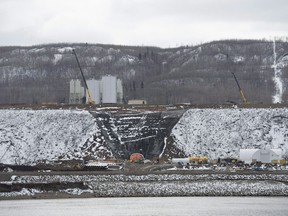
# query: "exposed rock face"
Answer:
x=127 y=133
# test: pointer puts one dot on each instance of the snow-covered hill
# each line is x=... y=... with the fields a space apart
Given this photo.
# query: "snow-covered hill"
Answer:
x=28 y=136
x=31 y=136
x=222 y=132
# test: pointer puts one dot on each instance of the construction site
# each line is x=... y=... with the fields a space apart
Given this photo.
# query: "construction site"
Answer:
x=59 y=150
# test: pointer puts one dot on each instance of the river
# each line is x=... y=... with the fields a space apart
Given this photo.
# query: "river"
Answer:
x=144 y=206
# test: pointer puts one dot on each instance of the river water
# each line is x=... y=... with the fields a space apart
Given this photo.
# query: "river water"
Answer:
x=140 y=206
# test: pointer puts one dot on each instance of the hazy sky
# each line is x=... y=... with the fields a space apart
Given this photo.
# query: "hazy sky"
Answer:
x=164 y=23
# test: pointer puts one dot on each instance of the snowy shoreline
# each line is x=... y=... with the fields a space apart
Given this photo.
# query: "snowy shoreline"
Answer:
x=151 y=185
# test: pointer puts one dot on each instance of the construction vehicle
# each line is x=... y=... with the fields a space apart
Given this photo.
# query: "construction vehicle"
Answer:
x=90 y=101
x=244 y=100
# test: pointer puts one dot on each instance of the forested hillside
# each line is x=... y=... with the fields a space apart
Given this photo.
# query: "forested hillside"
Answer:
x=199 y=75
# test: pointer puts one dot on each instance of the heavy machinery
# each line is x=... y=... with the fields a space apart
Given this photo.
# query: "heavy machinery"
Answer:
x=244 y=100
x=90 y=101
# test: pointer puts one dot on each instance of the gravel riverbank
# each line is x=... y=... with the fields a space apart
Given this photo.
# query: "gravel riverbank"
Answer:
x=121 y=185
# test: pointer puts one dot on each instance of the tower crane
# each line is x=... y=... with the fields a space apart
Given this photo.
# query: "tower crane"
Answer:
x=244 y=100
x=90 y=101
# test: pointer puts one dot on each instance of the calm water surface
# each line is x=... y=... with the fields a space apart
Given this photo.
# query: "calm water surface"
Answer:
x=200 y=206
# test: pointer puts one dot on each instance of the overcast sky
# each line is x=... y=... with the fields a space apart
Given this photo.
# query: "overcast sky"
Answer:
x=164 y=23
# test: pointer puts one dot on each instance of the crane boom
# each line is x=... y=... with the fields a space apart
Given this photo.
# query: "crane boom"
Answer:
x=244 y=100
x=90 y=101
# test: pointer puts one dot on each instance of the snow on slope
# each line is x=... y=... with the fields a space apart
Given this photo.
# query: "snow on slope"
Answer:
x=28 y=136
x=223 y=132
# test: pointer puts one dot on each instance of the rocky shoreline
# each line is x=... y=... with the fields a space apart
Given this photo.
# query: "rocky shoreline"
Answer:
x=160 y=185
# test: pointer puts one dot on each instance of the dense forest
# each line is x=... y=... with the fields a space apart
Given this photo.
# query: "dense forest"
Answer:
x=199 y=74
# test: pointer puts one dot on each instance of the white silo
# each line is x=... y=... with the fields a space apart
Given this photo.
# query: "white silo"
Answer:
x=94 y=88
x=109 y=89
x=76 y=92
x=119 y=91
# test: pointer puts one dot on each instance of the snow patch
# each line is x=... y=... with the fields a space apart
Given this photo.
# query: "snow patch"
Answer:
x=112 y=51
x=278 y=65
x=76 y=191
x=65 y=50
x=57 y=58
x=220 y=57
x=165 y=144
x=127 y=59
x=23 y=192
x=105 y=59
x=239 y=59
x=36 y=50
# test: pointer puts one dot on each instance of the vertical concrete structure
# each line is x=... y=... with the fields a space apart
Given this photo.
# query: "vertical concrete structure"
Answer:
x=76 y=92
x=109 y=89
x=94 y=87
x=119 y=91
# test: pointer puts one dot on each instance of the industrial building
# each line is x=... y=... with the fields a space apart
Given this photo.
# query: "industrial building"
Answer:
x=108 y=90
x=260 y=155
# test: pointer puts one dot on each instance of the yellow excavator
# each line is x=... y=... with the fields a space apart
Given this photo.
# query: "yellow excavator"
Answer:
x=244 y=100
x=90 y=101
